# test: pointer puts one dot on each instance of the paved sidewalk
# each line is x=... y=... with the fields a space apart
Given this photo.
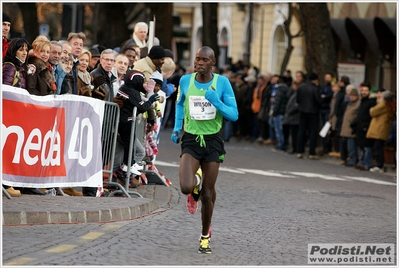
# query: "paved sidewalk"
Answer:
x=33 y=209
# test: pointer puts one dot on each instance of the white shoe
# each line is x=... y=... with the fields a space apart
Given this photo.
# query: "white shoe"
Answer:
x=376 y=169
x=138 y=166
x=133 y=169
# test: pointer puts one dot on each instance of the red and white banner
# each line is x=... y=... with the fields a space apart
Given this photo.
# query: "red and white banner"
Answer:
x=51 y=141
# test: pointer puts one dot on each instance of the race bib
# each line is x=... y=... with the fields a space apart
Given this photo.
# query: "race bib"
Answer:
x=201 y=108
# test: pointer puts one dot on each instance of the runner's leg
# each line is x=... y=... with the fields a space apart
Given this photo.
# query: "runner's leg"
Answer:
x=188 y=166
x=210 y=172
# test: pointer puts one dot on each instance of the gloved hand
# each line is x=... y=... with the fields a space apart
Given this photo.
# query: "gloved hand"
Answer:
x=212 y=96
x=119 y=100
x=99 y=80
x=153 y=98
x=150 y=85
x=175 y=135
x=99 y=93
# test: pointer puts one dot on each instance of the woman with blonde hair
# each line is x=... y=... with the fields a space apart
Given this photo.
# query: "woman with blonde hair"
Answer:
x=41 y=83
x=84 y=77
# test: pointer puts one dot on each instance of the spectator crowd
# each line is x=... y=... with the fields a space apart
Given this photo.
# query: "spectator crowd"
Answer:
x=274 y=110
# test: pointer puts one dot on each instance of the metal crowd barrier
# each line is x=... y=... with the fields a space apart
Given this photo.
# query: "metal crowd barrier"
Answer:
x=108 y=139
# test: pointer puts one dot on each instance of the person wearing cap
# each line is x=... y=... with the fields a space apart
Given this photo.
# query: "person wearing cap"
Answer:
x=151 y=62
x=347 y=132
x=6 y=31
x=309 y=102
x=95 y=58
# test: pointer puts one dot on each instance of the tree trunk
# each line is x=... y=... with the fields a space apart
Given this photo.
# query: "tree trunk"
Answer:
x=210 y=27
x=290 y=36
x=163 y=22
x=31 y=25
x=320 y=52
x=112 y=34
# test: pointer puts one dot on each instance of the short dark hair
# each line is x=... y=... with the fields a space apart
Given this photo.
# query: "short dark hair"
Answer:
x=366 y=84
x=345 y=79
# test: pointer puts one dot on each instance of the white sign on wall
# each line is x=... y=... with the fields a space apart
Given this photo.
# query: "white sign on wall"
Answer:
x=355 y=71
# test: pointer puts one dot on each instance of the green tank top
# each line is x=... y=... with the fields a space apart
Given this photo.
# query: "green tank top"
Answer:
x=201 y=117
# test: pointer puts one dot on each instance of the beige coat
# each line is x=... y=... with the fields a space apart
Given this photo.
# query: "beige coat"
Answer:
x=349 y=116
x=380 y=125
x=146 y=66
x=332 y=117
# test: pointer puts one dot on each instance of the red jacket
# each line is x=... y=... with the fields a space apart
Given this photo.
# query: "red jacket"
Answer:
x=6 y=43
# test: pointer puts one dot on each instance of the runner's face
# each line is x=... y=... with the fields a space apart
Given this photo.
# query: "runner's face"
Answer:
x=203 y=62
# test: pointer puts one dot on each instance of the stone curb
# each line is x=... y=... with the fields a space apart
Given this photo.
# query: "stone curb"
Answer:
x=32 y=209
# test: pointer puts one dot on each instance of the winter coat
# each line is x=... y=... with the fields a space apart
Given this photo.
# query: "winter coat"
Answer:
x=362 y=121
x=349 y=116
x=146 y=66
x=339 y=107
x=257 y=98
x=280 y=99
x=84 y=83
x=327 y=91
x=380 y=124
x=60 y=74
x=9 y=74
x=291 y=116
x=332 y=117
x=132 y=98
x=40 y=83
x=108 y=86
x=308 y=98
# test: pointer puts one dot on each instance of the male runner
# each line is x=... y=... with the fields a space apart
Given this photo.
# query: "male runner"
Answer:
x=204 y=99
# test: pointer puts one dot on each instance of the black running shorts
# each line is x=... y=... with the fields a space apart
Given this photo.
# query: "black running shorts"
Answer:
x=212 y=152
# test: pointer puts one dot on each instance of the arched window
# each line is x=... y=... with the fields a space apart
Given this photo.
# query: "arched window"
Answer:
x=279 y=49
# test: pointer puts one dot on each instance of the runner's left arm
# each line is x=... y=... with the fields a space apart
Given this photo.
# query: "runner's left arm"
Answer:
x=223 y=99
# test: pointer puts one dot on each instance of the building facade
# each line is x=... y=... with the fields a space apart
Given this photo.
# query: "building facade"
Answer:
x=364 y=36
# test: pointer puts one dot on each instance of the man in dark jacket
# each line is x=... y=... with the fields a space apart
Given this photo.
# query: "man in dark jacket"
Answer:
x=341 y=101
x=103 y=78
x=309 y=101
x=280 y=101
x=361 y=125
x=326 y=94
x=5 y=31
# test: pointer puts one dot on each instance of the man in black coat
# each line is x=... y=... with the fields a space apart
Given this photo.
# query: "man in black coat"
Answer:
x=361 y=124
x=309 y=102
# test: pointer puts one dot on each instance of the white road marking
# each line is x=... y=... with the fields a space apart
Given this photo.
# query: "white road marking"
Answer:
x=371 y=180
x=290 y=174
x=315 y=175
x=265 y=173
